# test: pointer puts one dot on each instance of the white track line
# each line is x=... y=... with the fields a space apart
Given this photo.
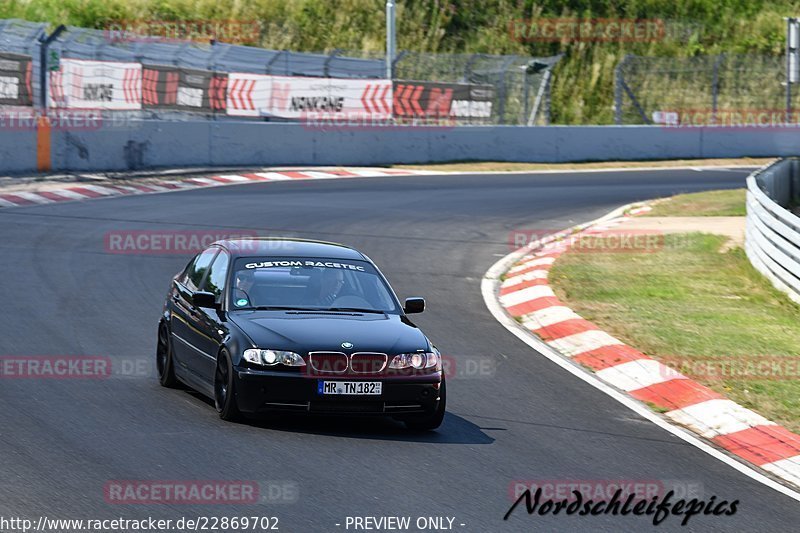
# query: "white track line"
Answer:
x=7 y=203
x=272 y=176
x=548 y=316
x=35 y=197
x=526 y=294
x=66 y=193
x=788 y=468
x=638 y=374
x=582 y=342
x=716 y=417
x=600 y=170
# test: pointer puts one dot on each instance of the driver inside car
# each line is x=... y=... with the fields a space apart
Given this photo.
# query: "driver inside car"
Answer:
x=243 y=288
x=331 y=286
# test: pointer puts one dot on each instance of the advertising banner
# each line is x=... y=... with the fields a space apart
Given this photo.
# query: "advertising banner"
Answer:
x=88 y=84
x=15 y=80
x=182 y=89
x=433 y=100
x=297 y=97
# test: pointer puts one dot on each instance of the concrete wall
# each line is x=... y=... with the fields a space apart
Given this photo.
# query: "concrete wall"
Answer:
x=17 y=150
x=154 y=144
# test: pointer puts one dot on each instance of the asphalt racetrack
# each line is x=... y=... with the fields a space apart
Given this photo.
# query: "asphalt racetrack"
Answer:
x=519 y=417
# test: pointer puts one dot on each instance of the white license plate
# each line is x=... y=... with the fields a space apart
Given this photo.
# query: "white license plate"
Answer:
x=355 y=388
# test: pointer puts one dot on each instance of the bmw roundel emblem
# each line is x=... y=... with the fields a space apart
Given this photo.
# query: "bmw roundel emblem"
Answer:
x=347 y=345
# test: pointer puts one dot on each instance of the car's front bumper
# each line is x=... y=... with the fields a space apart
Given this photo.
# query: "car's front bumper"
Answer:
x=261 y=391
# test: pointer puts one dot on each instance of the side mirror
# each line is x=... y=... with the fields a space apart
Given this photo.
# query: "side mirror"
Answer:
x=414 y=305
x=204 y=299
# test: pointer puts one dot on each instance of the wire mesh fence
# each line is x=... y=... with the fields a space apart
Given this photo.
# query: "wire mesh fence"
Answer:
x=722 y=90
x=516 y=87
x=521 y=84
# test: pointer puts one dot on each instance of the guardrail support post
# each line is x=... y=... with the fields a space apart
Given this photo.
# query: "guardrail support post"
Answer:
x=715 y=88
x=792 y=58
x=326 y=68
x=618 y=90
x=43 y=141
x=44 y=46
x=391 y=38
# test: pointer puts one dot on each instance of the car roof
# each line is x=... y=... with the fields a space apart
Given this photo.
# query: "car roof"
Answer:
x=286 y=247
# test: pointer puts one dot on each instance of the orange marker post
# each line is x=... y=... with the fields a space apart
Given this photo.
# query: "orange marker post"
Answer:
x=43 y=155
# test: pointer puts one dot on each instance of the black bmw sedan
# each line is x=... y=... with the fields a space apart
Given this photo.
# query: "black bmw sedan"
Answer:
x=288 y=325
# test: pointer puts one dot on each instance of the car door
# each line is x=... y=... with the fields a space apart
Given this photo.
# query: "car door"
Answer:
x=210 y=328
x=184 y=320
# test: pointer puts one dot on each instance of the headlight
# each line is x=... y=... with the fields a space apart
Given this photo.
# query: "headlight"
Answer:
x=417 y=361
x=273 y=357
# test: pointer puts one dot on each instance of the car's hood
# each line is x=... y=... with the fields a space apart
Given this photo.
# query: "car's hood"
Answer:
x=308 y=332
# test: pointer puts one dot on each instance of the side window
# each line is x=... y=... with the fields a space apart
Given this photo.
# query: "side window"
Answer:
x=198 y=269
x=183 y=278
x=215 y=283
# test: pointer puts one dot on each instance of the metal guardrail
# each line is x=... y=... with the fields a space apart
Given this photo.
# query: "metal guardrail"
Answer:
x=772 y=237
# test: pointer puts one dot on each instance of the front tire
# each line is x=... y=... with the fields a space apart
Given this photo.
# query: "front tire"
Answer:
x=165 y=363
x=433 y=420
x=225 y=389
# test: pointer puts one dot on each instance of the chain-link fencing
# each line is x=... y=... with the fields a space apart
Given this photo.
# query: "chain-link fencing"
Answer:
x=722 y=90
x=176 y=77
x=521 y=84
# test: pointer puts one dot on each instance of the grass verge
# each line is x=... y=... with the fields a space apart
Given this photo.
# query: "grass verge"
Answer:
x=711 y=315
x=495 y=166
x=726 y=203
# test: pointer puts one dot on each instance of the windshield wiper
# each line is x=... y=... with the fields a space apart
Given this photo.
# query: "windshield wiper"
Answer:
x=279 y=308
x=315 y=309
x=355 y=310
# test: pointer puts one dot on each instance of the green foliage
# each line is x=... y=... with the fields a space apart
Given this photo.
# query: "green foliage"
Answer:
x=583 y=84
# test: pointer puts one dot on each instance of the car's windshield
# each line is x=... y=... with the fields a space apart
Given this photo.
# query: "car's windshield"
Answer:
x=309 y=283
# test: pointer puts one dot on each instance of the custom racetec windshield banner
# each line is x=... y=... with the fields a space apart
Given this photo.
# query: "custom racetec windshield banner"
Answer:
x=88 y=84
x=286 y=97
